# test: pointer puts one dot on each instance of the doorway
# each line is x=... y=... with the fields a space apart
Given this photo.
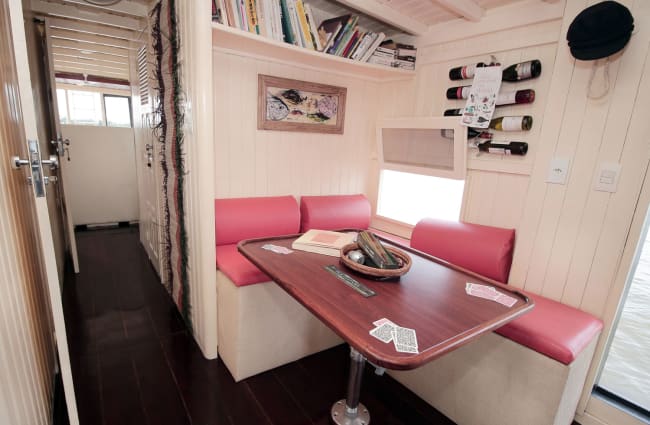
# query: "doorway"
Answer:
x=625 y=375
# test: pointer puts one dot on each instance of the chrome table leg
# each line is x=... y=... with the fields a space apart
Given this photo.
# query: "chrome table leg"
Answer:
x=349 y=411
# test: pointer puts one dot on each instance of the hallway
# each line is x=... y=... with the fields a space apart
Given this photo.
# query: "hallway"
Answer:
x=134 y=362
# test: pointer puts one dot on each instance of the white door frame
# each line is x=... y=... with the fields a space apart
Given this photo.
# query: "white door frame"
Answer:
x=43 y=219
x=56 y=124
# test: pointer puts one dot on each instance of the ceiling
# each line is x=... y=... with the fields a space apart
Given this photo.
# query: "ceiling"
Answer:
x=93 y=40
x=90 y=40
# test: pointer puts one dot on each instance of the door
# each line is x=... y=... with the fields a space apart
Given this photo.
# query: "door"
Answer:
x=20 y=134
x=148 y=161
x=62 y=147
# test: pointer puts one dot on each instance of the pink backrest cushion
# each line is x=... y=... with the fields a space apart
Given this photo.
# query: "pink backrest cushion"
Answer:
x=482 y=249
x=236 y=219
x=334 y=212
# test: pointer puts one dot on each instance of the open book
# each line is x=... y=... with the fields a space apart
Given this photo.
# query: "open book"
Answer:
x=323 y=242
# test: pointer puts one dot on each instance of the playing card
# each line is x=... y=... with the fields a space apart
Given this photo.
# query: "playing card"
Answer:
x=401 y=348
x=382 y=321
x=277 y=249
x=506 y=300
x=384 y=332
x=405 y=336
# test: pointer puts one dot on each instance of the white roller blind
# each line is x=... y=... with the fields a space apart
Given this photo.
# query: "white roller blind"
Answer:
x=433 y=146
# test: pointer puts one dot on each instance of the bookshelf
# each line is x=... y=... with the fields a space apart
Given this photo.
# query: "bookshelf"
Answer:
x=238 y=42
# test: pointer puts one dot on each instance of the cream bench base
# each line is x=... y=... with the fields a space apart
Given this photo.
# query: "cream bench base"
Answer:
x=261 y=327
x=495 y=381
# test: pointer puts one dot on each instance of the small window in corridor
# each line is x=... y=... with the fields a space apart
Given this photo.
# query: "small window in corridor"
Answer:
x=118 y=110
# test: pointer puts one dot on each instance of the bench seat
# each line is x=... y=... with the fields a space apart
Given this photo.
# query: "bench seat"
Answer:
x=237 y=267
x=554 y=329
x=259 y=325
x=530 y=371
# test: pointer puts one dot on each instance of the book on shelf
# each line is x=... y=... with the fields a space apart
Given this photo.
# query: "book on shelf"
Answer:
x=329 y=29
x=323 y=242
x=286 y=23
x=304 y=25
x=351 y=44
x=313 y=29
x=380 y=37
x=295 y=25
x=217 y=12
x=345 y=40
x=343 y=32
x=251 y=16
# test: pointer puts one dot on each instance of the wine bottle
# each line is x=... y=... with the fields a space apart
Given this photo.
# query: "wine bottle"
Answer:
x=522 y=71
x=519 y=123
x=460 y=92
x=448 y=133
x=507 y=148
x=453 y=112
x=465 y=72
x=504 y=98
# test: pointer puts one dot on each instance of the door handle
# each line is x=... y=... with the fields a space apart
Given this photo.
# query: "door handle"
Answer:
x=52 y=162
x=62 y=147
x=35 y=165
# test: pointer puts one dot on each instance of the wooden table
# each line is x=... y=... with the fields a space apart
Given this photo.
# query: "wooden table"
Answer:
x=430 y=298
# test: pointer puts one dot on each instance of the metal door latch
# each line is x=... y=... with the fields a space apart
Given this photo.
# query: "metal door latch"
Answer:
x=35 y=163
x=62 y=147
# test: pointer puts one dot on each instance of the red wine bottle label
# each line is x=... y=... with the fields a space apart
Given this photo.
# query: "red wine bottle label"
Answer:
x=502 y=151
x=524 y=70
x=507 y=98
x=512 y=123
x=463 y=92
x=468 y=71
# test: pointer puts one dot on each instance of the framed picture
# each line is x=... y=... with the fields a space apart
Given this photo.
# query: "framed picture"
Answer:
x=292 y=105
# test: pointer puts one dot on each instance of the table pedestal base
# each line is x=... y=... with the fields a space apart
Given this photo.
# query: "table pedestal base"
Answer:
x=350 y=411
x=340 y=415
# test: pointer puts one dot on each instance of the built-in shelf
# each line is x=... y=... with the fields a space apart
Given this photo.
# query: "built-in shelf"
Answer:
x=236 y=41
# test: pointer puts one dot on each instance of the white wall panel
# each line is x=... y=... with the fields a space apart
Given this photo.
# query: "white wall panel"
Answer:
x=251 y=162
x=569 y=237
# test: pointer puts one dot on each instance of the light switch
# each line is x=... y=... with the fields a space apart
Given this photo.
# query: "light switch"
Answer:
x=558 y=170
x=606 y=179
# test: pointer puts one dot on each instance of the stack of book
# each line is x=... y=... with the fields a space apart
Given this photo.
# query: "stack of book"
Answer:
x=405 y=56
x=293 y=22
x=341 y=36
x=383 y=56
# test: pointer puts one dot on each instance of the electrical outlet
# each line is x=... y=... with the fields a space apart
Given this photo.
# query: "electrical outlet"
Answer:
x=558 y=170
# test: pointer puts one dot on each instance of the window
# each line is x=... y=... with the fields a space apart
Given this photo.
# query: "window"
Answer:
x=86 y=107
x=118 y=110
x=62 y=100
x=408 y=198
x=422 y=170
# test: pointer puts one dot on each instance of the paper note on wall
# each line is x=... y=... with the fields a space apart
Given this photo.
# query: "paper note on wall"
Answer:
x=482 y=97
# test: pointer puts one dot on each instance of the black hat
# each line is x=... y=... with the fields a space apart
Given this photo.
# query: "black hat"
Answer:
x=600 y=30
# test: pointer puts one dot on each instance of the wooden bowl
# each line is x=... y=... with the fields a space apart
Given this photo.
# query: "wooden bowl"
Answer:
x=375 y=272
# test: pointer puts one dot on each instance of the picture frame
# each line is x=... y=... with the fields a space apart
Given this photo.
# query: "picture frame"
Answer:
x=292 y=105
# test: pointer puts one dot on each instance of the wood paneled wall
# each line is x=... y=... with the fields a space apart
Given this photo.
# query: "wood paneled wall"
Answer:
x=569 y=237
x=26 y=332
x=251 y=162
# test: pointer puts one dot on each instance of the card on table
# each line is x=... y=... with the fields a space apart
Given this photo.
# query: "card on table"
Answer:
x=277 y=249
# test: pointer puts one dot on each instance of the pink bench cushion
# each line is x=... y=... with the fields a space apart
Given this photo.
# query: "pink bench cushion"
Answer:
x=238 y=269
x=334 y=212
x=236 y=219
x=482 y=249
x=554 y=329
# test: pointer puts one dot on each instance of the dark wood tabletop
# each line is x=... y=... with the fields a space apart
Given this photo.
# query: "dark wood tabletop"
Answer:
x=430 y=298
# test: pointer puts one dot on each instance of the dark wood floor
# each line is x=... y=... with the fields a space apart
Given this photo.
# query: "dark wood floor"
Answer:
x=134 y=362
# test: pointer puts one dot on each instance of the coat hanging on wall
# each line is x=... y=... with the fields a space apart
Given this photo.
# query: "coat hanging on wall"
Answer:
x=598 y=32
